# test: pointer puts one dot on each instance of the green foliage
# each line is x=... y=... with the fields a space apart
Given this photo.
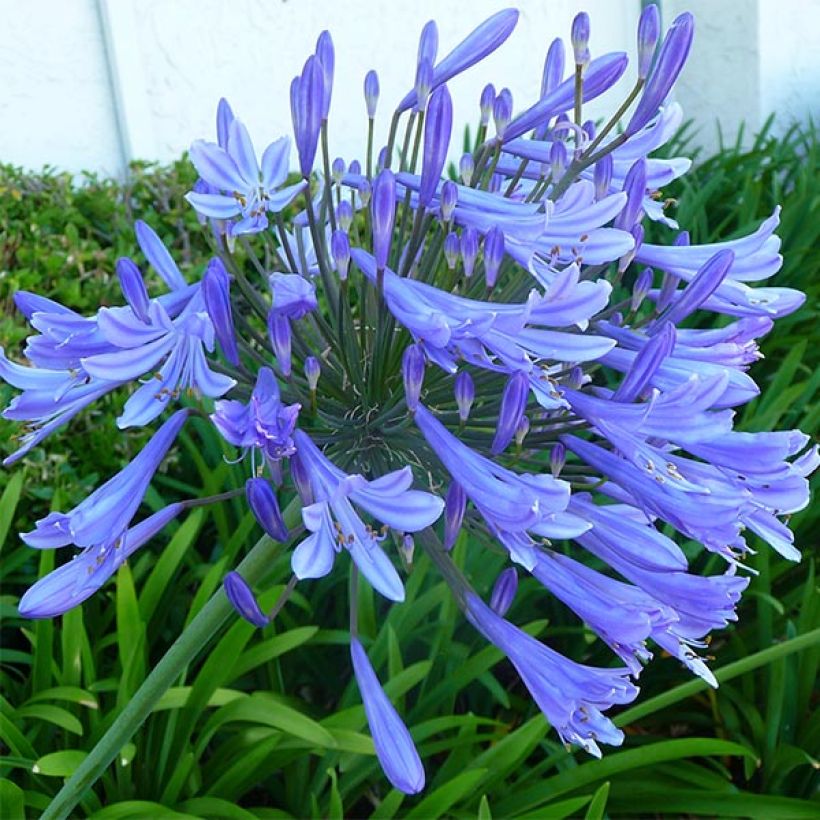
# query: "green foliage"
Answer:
x=267 y=723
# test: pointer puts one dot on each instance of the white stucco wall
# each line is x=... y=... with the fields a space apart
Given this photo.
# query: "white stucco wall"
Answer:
x=86 y=83
x=196 y=51
x=55 y=97
x=750 y=58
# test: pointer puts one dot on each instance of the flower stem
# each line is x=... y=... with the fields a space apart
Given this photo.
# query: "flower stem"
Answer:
x=186 y=647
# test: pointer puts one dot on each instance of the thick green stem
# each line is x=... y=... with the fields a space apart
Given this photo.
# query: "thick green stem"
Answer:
x=164 y=675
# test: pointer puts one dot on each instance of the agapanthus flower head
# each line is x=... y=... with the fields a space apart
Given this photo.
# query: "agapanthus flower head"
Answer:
x=408 y=358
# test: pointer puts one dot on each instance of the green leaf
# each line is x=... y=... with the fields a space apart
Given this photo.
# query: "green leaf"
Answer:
x=726 y=673
x=484 y=812
x=216 y=807
x=59 y=764
x=52 y=714
x=335 y=810
x=130 y=636
x=598 y=805
x=271 y=648
x=140 y=810
x=71 y=694
x=177 y=696
x=263 y=709
x=8 y=504
x=166 y=566
x=612 y=764
x=444 y=797
x=12 y=800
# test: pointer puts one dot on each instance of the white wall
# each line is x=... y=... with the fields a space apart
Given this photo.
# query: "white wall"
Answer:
x=181 y=56
x=750 y=58
x=68 y=100
x=55 y=96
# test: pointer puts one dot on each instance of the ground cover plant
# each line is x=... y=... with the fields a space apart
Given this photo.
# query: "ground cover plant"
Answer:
x=269 y=723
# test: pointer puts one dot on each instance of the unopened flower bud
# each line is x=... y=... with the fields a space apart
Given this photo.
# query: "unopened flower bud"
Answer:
x=355 y=168
x=312 y=371
x=133 y=288
x=301 y=480
x=558 y=457
x=337 y=170
x=504 y=589
x=243 y=600
x=412 y=368
x=340 y=249
x=424 y=82
x=670 y=282
x=671 y=59
x=465 y=394
x=216 y=293
x=626 y=260
x=502 y=111
x=451 y=249
x=579 y=36
x=577 y=378
x=469 y=250
x=280 y=339
x=327 y=58
x=344 y=215
x=455 y=504
x=646 y=363
x=408 y=547
x=513 y=403
x=558 y=159
x=265 y=508
x=521 y=430
x=371 y=93
x=635 y=189
x=553 y=67
x=643 y=283
x=493 y=254
x=705 y=282
x=603 y=176
x=383 y=212
x=438 y=126
x=381 y=160
x=486 y=103
x=448 y=199
x=466 y=168
x=649 y=29
x=589 y=130
x=428 y=42
x=365 y=190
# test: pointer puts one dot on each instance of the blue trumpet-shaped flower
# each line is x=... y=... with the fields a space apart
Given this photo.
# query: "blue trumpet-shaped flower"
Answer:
x=242 y=185
x=573 y=697
x=174 y=349
x=334 y=523
x=78 y=579
x=264 y=422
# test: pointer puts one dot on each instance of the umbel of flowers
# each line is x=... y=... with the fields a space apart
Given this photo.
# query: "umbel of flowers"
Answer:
x=507 y=332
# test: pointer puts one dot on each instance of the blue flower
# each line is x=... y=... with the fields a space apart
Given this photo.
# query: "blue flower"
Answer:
x=264 y=422
x=335 y=524
x=78 y=579
x=173 y=348
x=248 y=188
x=573 y=697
